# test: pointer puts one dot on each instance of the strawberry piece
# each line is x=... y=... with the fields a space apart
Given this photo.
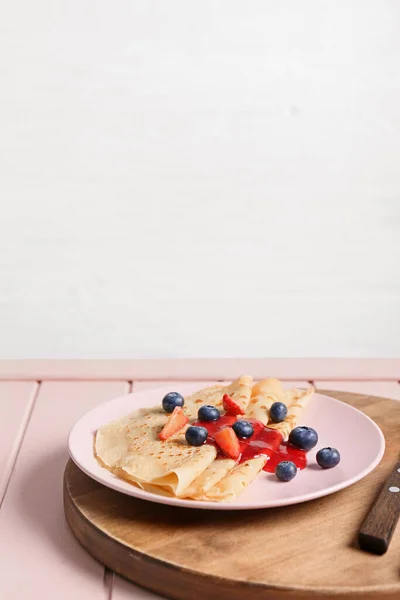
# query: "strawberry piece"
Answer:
x=231 y=407
x=228 y=442
x=175 y=423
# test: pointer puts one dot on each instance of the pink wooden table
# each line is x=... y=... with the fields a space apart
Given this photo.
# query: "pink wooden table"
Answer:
x=40 y=401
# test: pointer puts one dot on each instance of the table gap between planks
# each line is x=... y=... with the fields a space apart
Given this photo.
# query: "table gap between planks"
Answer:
x=39 y=403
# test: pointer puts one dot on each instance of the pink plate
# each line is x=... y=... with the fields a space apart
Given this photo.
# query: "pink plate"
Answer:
x=358 y=439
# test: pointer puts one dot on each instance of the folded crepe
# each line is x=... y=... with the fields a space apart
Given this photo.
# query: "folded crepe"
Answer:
x=130 y=448
x=264 y=394
x=209 y=478
x=240 y=476
x=239 y=390
x=268 y=391
x=300 y=399
x=233 y=484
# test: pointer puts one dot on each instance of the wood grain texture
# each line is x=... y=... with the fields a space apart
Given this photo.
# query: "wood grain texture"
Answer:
x=39 y=558
x=203 y=369
x=299 y=552
x=16 y=402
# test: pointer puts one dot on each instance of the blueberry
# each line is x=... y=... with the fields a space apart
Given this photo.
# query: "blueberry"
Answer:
x=286 y=470
x=208 y=413
x=278 y=412
x=328 y=458
x=196 y=436
x=243 y=429
x=304 y=438
x=171 y=401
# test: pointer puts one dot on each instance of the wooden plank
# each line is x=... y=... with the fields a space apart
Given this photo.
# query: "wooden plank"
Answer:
x=39 y=557
x=204 y=369
x=384 y=389
x=16 y=402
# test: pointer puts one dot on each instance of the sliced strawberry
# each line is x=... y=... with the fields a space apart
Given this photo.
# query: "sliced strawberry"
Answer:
x=231 y=407
x=228 y=442
x=175 y=422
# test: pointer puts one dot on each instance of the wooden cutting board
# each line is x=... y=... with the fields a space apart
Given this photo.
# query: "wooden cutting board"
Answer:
x=301 y=552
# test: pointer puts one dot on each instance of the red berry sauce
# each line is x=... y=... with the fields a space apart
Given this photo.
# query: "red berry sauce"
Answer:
x=264 y=441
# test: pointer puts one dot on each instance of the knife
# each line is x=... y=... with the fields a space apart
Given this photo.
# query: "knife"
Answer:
x=378 y=528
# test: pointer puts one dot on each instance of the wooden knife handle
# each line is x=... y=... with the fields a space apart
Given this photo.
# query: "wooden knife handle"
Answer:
x=377 y=530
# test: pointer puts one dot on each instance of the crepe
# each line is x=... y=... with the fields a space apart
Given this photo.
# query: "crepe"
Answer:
x=300 y=400
x=263 y=396
x=239 y=390
x=209 y=478
x=268 y=390
x=130 y=448
x=233 y=484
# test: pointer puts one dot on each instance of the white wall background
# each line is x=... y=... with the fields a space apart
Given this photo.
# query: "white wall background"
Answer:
x=214 y=178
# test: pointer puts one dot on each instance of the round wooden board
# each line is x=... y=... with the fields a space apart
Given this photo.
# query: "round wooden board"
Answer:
x=301 y=552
